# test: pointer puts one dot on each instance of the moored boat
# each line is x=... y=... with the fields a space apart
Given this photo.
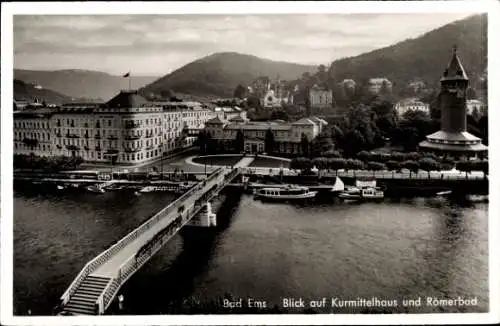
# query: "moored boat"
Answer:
x=285 y=193
x=365 y=193
x=95 y=189
x=444 y=193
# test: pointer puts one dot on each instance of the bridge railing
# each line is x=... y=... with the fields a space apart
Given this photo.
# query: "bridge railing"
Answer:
x=105 y=255
x=134 y=262
x=421 y=175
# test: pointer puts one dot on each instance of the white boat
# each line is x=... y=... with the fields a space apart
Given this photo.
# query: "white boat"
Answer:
x=285 y=193
x=148 y=189
x=173 y=188
x=60 y=187
x=96 y=189
x=365 y=193
x=444 y=193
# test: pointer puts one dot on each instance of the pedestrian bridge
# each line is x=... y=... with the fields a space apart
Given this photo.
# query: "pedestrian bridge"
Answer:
x=94 y=288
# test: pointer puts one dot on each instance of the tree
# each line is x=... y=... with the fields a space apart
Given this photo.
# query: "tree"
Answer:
x=305 y=144
x=393 y=165
x=413 y=166
x=254 y=102
x=279 y=115
x=240 y=91
x=322 y=74
x=463 y=165
x=397 y=156
x=239 y=142
x=301 y=163
x=353 y=142
x=167 y=93
x=331 y=154
x=484 y=166
x=320 y=163
x=384 y=89
x=269 y=142
x=322 y=143
x=475 y=113
x=428 y=164
x=412 y=156
x=375 y=166
x=210 y=143
x=364 y=156
x=336 y=163
x=354 y=164
x=201 y=141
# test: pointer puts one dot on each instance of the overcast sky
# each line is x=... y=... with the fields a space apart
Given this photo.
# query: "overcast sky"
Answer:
x=156 y=45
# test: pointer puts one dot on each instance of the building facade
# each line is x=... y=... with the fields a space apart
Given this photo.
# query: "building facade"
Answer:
x=128 y=129
x=33 y=133
x=320 y=97
x=272 y=94
x=287 y=136
x=406 y=105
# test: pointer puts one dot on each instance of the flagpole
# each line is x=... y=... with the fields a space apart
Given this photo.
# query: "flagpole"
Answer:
x=129 y=82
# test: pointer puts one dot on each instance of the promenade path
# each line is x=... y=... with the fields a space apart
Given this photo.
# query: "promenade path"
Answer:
x=442 y=175
x=98 y=282
x=109 y=268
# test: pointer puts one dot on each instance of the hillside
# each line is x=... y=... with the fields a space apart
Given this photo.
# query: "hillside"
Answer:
x=219 y=73
x=424 y=57
x=81 y=83
x=23 y=91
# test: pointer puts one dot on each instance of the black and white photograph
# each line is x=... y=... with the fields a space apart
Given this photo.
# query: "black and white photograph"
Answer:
x=215 y=160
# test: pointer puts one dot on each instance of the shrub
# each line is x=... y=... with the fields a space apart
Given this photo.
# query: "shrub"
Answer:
x=376 y=166
x=393 y=165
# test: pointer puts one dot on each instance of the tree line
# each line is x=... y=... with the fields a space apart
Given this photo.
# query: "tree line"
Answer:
x=395 y=161
x=52 y=163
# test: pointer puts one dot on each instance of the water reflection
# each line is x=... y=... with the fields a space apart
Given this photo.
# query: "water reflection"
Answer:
x=402 y=247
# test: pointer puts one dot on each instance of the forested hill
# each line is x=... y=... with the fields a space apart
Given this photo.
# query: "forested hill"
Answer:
x=424 y=57
x=219 y=74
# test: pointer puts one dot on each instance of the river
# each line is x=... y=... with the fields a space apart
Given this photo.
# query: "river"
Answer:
x=395 y=250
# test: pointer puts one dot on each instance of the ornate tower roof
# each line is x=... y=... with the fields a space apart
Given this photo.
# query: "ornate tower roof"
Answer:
x=455 y=70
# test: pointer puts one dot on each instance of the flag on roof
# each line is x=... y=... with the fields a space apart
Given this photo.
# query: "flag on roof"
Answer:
x=126 y=75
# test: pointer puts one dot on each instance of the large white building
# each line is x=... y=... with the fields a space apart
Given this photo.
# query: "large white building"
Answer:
x=128 y=129
x=411 y=104
x=287 y=136
x=476 y=107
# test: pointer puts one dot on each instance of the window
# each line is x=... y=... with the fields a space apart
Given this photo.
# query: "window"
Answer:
x=109 y=123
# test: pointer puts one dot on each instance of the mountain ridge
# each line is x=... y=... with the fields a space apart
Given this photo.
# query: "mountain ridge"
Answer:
x=219 y=73
x=81 y=83
x=422 y=58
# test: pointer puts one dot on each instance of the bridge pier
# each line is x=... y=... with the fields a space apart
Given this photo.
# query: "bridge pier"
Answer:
x=206 y=218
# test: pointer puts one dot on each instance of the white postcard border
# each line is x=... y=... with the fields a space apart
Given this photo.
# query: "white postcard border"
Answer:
x=6 y=222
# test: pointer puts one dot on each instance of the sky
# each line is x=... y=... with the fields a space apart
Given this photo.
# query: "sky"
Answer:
x=158 y=44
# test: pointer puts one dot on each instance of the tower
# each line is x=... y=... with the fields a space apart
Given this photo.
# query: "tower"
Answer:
x=453 y=101
x=453 y=138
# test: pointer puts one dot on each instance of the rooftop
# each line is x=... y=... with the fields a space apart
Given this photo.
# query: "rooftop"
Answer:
x=455 y=70
x=127 y=99
x=304 y=121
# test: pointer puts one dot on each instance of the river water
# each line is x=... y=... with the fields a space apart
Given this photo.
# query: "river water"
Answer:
x=395 y=250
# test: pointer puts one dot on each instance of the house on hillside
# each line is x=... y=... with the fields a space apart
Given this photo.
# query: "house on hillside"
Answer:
x=320 y=97
x=411 y=104
x=476 y=108
x=377 y=85
x=272 y=94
